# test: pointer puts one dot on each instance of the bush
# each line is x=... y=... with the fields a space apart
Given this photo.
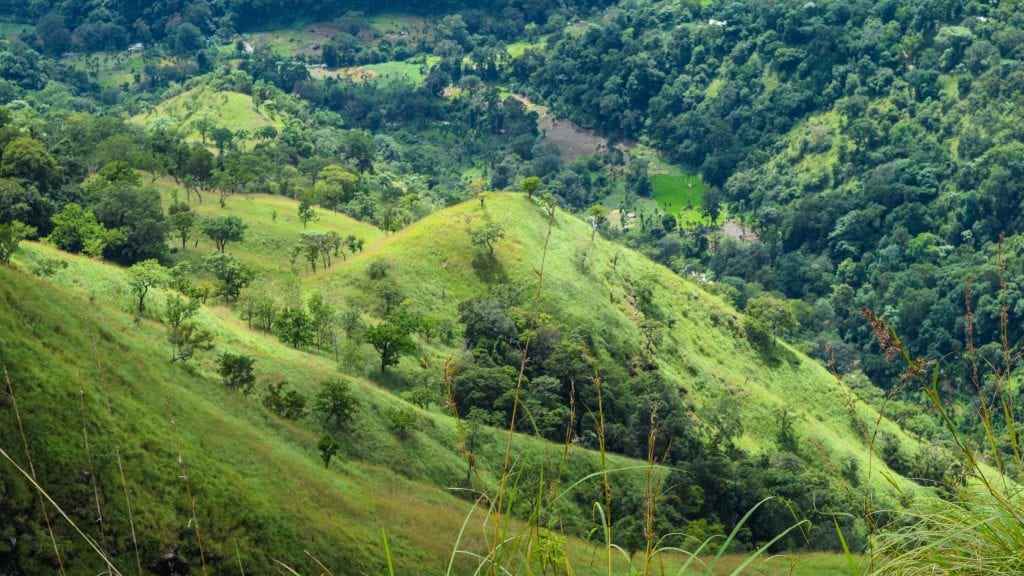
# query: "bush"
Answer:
x=236 y=371
x=377 y=269
x=336 y=402
x=290 y=404
x=402 y=421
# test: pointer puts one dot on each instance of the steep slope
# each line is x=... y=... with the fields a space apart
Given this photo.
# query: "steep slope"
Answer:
x=77 y=357
x=703 y=348
x=72 y=344
x=258 y=484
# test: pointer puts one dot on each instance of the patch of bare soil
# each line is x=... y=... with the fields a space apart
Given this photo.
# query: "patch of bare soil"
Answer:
x=737 y=230
x=318 y=34
x=574 y=142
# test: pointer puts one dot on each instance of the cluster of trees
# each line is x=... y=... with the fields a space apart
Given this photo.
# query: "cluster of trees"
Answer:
x=335 y=404
x=62 y=24
x=572 y=369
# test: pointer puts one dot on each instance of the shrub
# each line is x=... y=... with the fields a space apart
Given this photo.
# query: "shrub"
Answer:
x=236 y=370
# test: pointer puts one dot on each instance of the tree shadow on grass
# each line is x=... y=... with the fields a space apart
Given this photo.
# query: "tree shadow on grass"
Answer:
x=488 y=269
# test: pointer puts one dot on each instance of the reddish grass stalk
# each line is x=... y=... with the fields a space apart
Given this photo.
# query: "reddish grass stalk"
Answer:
x=60 y=511
x=120 y=465
x=91 y=469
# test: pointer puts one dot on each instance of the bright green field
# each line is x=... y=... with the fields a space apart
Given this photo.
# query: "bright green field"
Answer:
x=676 y=193
x=517 y=49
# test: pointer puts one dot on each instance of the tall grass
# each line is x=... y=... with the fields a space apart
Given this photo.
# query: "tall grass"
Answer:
x=194 y=520
x=117 y=455
x=980 y=531
x=44 y=498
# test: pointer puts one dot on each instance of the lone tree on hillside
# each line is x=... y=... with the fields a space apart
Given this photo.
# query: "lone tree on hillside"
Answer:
x=232 y=275
x=145 y=275
x=236 y=371
x=768 y=318
x=11 y=235
x=530 y=185
x=487 y=236
x=294 y=327
x=598 y=215
x=391 y=342
x=222 y=137
x=204 y=125
x=183 y=333
x=182 y=220
x=328 y=448
x=289 y=404
x=306 y=212
x=224 y=229
x=336 y=401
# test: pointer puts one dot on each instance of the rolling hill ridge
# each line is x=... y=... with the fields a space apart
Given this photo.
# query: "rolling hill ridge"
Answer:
x=78 y=356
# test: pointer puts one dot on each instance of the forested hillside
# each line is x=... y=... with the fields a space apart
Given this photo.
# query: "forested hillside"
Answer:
x=873 y=146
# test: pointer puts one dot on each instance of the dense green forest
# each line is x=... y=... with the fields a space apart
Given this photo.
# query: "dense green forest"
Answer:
x=381 y=233
x=872 y=145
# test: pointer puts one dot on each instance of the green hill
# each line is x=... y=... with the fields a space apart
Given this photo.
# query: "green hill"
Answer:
x=79 y=357
x=74 y=351
x=703 y=349
x=222 y=108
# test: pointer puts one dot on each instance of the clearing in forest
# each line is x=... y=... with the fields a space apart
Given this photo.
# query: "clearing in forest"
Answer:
x=305 y=39
x=231 y=110
x=411 y=71
x=573 y=142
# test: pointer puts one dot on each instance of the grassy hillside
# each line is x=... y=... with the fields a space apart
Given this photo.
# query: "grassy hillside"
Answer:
x=231 y=110
x=704 y=349
x=434 y=260
x=73 y=347
x=273 y=228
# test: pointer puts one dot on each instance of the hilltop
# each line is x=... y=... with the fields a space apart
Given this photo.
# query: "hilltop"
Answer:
x=703 y=349
x=197 y=112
